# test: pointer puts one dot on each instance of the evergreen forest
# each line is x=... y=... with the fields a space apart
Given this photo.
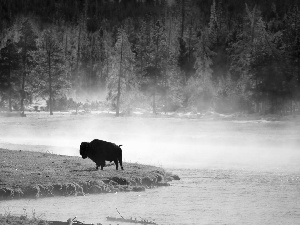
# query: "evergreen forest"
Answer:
x=162 y=56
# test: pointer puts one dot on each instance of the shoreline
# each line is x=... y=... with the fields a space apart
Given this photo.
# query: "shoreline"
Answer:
x=204 y=116
x=26 y=174
x=25 y=220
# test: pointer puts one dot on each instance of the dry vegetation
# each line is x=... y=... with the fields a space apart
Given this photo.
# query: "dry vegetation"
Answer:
x=37 y=174
x=20 y=220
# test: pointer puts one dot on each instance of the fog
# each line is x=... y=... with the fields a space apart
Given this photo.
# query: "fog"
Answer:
x=166 y=142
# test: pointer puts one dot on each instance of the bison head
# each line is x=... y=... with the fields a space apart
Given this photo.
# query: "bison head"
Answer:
x=84 y=149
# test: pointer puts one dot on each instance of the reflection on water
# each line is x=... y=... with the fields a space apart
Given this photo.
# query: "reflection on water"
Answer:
x=200 y=197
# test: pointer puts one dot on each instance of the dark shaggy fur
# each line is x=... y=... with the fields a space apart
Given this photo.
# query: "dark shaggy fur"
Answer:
x=100 y=151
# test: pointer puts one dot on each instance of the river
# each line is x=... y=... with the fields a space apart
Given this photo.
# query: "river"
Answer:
x=233 y=172
x=200 y=197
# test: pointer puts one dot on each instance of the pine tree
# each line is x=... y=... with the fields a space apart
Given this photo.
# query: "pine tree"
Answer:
x=50 y=76
x=291 y=46
x=140 y=48
x=171 y=76
x=88 y=59
x=107 y=56
x=187 y=40
x=9 y=65
x=219 y=36
x=26 y=44
x=72 y=59
x=200 y=88
x=213 y=22
x=156 y=54
x=121 y=80
x=257 y=62
x=217 y=26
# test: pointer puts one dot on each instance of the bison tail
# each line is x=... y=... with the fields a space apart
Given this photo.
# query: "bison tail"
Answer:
x=120 y=145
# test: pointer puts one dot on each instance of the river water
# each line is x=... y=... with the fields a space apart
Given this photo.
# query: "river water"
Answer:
x=234 y=172
x=200 y=197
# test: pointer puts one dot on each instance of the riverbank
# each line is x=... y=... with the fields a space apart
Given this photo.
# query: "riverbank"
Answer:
x=26 y=174
x=206 y=116
x=25 y=220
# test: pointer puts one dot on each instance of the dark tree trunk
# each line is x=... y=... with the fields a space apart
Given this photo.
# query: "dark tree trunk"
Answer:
x=154 y=95
x=22 y=94
x=66 y=45
x=165 y=72
x=298 y=59
x=119 y=81
x=155 y=78
x=23 y=78
x=9 y=83
x=78 y=56
x=107 y=69
x=50 y=84
x=182 y=18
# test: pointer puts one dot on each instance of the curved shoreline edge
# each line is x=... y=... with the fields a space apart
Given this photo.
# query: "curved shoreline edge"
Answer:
x=26 y=174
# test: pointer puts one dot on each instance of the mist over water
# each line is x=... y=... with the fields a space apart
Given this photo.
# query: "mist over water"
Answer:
x=167 y=142
x=232 y=172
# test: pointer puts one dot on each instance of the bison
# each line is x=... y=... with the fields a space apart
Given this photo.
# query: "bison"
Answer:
x=100 y=151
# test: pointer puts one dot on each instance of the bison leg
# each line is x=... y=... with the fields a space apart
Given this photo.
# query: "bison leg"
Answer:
x=102 y=164
x=121 y=165
x=97 y=167
x=120 y=161
x=116 y=162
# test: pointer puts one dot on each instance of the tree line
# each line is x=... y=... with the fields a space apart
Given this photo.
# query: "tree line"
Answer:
x=157 y=55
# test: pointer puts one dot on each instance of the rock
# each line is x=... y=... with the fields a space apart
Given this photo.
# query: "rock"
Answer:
x=132 y=183
x=138 y=181
x=162 y=184
x=124 y=188
x=106 y=181
x=99 y=183
x=2 y=193
x=57 y=190
x=114 y=189
x=112 y=183
x=45 y=191
x=6 y=193
x=68 y=189
x=159 y=178
x=171 y=177
x=95 y=189
x=138 y=188
x=175 y=177
x=119 y=180
x=31 y=191
x=84 y=186
x=147 y=181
